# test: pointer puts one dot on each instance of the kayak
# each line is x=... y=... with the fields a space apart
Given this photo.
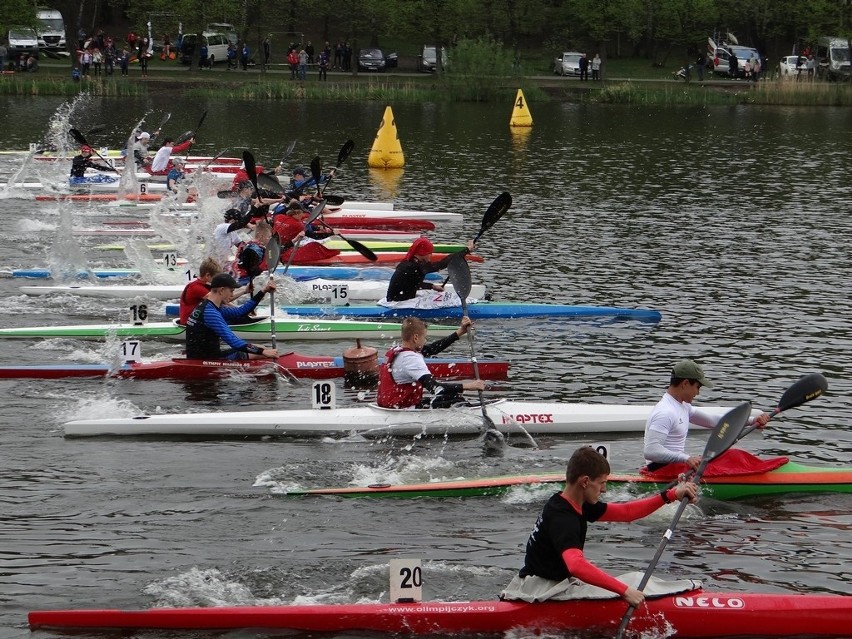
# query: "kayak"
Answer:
x=511 y=417
x=331 y=213
x=383 y=273
x=379 y=246
x=788 y=478
x=259 y=329
x=294 y=364
x=313 y=288
x=353 y=257
x=695 y=613
x=476 y=310
x=366 y=236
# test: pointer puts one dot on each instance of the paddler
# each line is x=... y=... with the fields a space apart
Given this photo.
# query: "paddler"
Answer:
x=409 y=276
x=225 y=235
x=160 y=165
x=83 y=161
x=288 y=224
x=140 y=148
x=404 y=374
x=554 y=554
x=207 y=325
x=668 y=423
x=250 y=260
x=197 y=289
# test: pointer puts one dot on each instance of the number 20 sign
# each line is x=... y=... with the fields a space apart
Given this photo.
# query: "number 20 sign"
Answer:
x=406 y=580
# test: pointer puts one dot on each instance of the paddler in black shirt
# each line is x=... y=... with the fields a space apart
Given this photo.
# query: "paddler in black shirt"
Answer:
x=409 y=276
x=84 y=161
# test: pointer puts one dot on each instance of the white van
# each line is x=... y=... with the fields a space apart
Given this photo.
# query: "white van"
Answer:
x=50 y=29
x=832 y=57
x=217 y=47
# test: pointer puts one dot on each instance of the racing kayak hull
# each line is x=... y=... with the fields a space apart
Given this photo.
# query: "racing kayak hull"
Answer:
x=382 y=273
x=695 y=614
x=789 y=478
x=380 y=246
x=310 y=289
x=290 y=364
x=513 y=417
x=257 y=330
x=478 y=310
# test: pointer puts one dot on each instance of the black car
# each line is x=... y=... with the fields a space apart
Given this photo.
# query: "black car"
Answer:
x=374 y=60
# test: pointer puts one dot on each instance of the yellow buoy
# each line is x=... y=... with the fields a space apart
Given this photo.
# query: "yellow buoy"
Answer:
x=521 y=115
x=387 y=151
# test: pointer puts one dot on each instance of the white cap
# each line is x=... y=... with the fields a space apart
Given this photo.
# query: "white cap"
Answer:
x=145 y=135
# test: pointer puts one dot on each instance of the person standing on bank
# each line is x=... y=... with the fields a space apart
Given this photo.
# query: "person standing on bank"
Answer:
x=554 y=551
x=596 y=67
x=404 y=374
x=668 y=423
x=584 y=67
x=208 y=323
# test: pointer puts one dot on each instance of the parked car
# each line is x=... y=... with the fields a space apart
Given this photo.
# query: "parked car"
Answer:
x=217 y=47
x=224 y=27
x=428 y=59
x=719 y=56
x=374 y=60
x=787 y=67
x=22 y=40
x=567 y=64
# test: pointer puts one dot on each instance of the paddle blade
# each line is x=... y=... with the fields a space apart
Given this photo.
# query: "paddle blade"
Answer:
x=497 y=210
x=288 y=152
x=459 y=273
x=344 y=152
x=334 y=200
x=79 y=137
x=363 y=250
x=315 y=213
x=316 y=171
x=251 y=168
x=201 y=121
x=726 y=433
x=270 y=183
x=273 y=253
x=804 y=390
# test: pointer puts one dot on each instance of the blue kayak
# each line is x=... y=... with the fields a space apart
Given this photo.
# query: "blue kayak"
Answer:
x=478 y=310
x=300 y=273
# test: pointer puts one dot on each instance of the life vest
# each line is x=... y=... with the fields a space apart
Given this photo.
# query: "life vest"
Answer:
x=391 y=394
x=201 y=341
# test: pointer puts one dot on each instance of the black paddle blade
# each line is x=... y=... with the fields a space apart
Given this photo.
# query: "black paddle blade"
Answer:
x=725 y=435
x=79 y=137
x=804 y=390
x=315 y=213
x=201 y=121
x=497 y=210
x=334 y=200
x=363 y=250
x=344 y=152
x=459 y=272
x=273 y=253
x=270 y=183
x=183 y=137
x=316 y=171
x=251 y=168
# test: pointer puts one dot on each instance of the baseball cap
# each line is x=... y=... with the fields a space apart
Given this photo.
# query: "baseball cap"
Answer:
x=687 y=369
x=86 y=149
x=223 y=280
x=299 y=171
x=177 y=160
x=144 y=135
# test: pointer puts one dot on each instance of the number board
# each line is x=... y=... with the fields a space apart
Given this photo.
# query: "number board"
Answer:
x=406 y=580
x=323 y=395
x=131 y=350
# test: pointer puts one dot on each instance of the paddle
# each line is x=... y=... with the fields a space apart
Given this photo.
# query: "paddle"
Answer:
x=344 y=153
x=725 y=435
x=286 y=155
x=316 y=173
x=191 y=134
x=81 y=139
x=162 y=124
x=460 y=275
x=251 y=170
x=273 y=254
x=494 y=212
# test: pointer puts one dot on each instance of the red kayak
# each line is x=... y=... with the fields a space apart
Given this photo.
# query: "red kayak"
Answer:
x=295 y=364
x=100 y=197
x=388 y=257
x=697 y=613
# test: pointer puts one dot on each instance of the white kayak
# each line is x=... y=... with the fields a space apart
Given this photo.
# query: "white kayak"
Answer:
x=340 y=291
x=510 y=417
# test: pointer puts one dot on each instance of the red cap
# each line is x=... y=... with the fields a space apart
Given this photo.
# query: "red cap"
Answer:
x=86 y=149
x=420 y=247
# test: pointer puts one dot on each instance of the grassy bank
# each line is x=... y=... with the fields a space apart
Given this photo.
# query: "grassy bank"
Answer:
x=414 y=88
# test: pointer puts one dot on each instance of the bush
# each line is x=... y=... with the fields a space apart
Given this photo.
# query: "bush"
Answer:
x=477 y=70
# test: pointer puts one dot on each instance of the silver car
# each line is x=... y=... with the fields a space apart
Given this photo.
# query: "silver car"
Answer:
x=568 y=64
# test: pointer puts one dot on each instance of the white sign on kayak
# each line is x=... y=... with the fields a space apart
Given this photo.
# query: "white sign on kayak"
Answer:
x=406 y=580
x=139 y=314
x=131 y=350
x=603 y=449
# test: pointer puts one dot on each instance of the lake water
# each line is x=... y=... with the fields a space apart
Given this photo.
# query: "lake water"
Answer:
x=733 y=222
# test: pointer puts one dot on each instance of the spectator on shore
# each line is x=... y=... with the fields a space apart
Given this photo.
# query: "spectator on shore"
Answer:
x=309 y=49
x=596 y=67
x=323 y=65
x=303 y=64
